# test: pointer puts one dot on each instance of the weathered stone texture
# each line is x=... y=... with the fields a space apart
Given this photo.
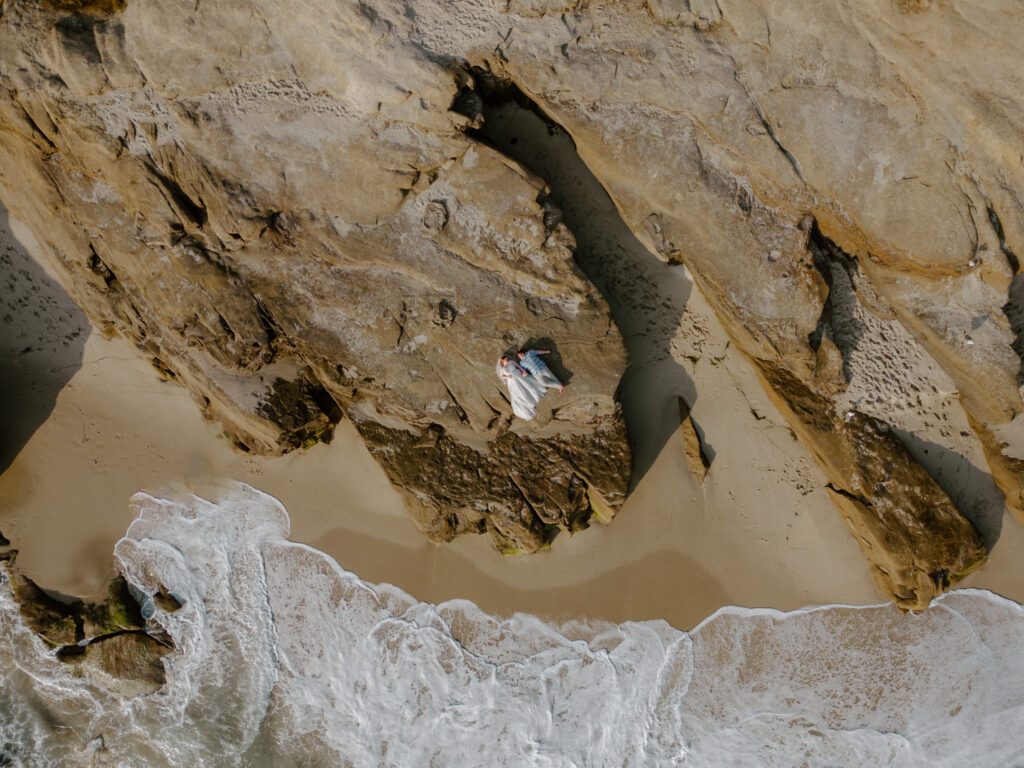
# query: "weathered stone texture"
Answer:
x=312 y=212
x=306 y=230
x=109 y=641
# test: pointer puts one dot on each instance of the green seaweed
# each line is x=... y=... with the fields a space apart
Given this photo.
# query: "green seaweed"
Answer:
x=308 y=438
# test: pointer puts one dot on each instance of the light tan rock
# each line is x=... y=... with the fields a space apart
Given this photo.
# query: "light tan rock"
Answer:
x=317 y=203
x=735 y=142
x=900 y=150
x=306 y=231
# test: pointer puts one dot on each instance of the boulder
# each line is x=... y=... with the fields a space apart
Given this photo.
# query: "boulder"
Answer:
x=127 y=663
x=109 y=641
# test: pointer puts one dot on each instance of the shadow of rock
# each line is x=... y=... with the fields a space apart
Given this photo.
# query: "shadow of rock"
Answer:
x=1014 y=311
x=42 y=336
x=646 y=296
x=970 y=488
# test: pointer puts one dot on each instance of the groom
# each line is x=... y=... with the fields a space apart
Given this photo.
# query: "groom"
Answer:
x=530 y=360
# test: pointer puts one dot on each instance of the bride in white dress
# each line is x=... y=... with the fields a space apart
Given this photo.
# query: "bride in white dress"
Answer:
x=524 y=390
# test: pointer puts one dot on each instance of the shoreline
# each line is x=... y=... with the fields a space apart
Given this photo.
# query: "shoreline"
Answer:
x=759 y=532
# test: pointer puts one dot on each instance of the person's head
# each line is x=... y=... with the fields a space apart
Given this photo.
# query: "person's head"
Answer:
x=503 y=361
x=521 y=354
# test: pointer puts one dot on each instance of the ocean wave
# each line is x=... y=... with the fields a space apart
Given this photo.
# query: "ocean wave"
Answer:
x=286 y=659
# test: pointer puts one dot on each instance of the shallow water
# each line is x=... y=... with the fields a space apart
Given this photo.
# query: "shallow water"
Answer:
x=288 y=660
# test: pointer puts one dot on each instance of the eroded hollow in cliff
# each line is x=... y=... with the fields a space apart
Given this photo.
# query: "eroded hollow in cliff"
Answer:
x=646 y=296
x=891 y=377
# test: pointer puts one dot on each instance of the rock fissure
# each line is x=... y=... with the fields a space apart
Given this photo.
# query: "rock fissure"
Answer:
x=1014 y=307
x=1014 y=311
x=65 y=652
x=997 y=227
x=177 y=199
x=766 y=125
x=851 y=496
x=37 y=131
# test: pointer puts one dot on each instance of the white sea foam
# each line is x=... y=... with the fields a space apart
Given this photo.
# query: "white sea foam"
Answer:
x=285 y=659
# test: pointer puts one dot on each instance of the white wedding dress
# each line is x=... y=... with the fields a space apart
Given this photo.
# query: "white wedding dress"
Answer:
x=524 y=391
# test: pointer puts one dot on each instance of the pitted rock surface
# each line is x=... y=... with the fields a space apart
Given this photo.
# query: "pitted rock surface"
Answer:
x=318 y=212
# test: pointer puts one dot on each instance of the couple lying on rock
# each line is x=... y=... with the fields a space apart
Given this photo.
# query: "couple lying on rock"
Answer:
x=527 y=380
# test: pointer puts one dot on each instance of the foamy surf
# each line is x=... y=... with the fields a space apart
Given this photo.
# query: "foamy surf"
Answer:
x=285 y=659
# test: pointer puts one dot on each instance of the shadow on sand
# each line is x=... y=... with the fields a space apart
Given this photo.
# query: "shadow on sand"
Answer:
x=42 y=336
x=646 y=296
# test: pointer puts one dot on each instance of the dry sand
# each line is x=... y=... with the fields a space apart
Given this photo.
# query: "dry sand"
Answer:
x=759 y=531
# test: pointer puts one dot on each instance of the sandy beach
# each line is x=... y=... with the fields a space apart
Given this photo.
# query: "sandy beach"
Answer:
x=97 y=424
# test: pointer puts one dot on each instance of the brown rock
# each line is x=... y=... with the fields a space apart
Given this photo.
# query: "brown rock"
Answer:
x=293 y=244
x=56 y=622
x=118 y=613
x=107 y=641
x=916 y=540
x=715 y=164
x=321 y=219
x=128 y=663
x=165 y=600
x=696 y=458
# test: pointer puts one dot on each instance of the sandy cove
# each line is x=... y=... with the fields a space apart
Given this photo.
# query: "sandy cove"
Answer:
x=759 y=532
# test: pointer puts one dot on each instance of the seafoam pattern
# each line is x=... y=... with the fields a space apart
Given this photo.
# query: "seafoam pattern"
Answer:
x=288 y=660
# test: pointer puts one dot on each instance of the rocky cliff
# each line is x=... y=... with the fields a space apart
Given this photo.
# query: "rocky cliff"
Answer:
x=290 y=247
x=290 y=211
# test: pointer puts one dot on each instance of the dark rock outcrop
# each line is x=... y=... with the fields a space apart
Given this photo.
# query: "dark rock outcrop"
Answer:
x=109 y=641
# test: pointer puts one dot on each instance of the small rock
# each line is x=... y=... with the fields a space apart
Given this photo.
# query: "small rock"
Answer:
x=444 y=314
x=165 y=600
x=696 y=457
x=435 y=217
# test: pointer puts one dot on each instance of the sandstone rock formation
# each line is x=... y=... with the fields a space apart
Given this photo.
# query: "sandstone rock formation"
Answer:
x=731 y=142
x=696 y=457
x=283 y=210
x=311 y=236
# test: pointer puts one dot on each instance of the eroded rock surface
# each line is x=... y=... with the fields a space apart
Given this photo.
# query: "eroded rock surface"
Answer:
x=307 y=231
x=744 y=138
x=109 y=641
x=313 y=217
